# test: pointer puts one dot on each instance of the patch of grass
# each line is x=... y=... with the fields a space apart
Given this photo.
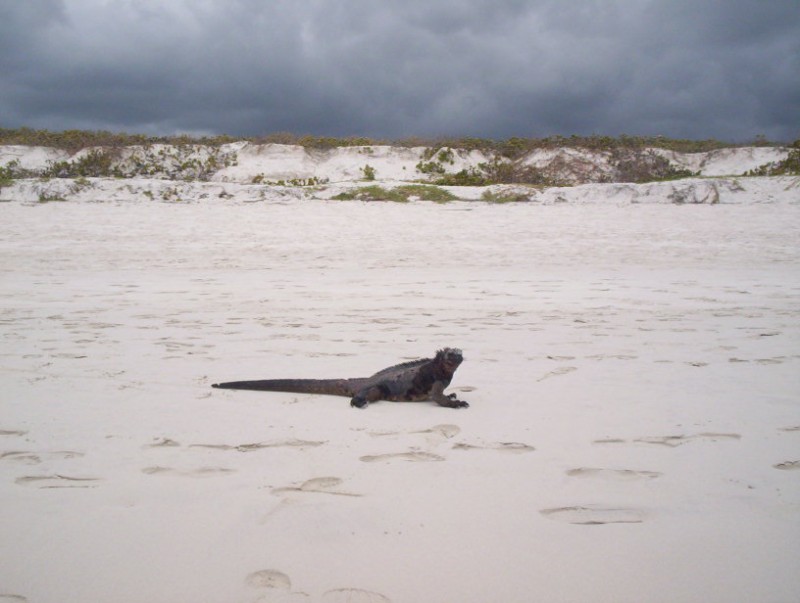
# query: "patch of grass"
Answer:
x=491 y=196
x=372 y=193
x=400 y=194
x=47 y=197
x=426 y=192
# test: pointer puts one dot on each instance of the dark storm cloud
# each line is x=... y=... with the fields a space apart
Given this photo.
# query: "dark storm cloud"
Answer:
x=496 y=68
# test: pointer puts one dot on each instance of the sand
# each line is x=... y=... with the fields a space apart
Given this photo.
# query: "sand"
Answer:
x=633 y=373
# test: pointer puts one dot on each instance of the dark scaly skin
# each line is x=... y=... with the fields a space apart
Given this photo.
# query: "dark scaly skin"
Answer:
x=424 y=379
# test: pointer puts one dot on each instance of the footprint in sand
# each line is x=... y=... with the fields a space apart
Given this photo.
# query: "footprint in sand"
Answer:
x=279 y=596
x=613 y=474
x=672 y=441
x=57 y=481
x=34 y=458
x=557 y=372
x=318 y=485
x=513 y=447
x=593 y=515
x=413 y=456
x=447 y=431
x=612 y=357
x=777 y=360
x=268 y=579
x=274 y=587
x=259 y=445
x=163 y=443
x=353 y=595
x=788 y=466
x=199 y=472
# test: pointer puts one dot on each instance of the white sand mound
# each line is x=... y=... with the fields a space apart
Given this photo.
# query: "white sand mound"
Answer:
x=248 y=163
x=725 y=162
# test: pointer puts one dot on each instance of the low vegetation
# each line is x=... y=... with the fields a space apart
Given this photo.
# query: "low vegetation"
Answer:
x=644 y=166
x=626 y=159
x=75 y=140
x=371 y=193
x=96 y=163
x=426 y=192
x=313 y=181
x=48 y=197
x=493 y=196
x=400 y=194
x=6 y=175
x=369 y=172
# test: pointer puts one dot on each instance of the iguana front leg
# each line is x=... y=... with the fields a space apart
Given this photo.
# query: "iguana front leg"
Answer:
x=449 y=400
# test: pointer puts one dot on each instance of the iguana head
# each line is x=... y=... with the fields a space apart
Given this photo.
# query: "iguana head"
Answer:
x=449 y=358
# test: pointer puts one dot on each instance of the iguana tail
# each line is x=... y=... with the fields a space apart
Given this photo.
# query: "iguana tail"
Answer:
x=329 y=387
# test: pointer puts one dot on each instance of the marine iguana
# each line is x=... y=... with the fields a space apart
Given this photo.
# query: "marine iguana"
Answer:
x=423 y=379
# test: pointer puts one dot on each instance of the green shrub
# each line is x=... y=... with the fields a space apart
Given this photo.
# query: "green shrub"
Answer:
x=7 y=174
x=12 y=171
x=369 y=172
x=96 y=163
x=430 y=167
x=446 y=156
x=633 y=165
x=791 y=165
x=470 y=177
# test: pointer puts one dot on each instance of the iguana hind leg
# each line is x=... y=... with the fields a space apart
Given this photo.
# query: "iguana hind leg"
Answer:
x=367 y=395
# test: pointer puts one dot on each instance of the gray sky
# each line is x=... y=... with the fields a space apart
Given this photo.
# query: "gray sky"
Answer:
x=727 y=69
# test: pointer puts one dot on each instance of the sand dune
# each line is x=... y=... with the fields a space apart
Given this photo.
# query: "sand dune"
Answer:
x=244 y=162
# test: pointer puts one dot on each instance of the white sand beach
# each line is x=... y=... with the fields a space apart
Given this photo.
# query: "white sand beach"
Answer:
x=633 y=372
